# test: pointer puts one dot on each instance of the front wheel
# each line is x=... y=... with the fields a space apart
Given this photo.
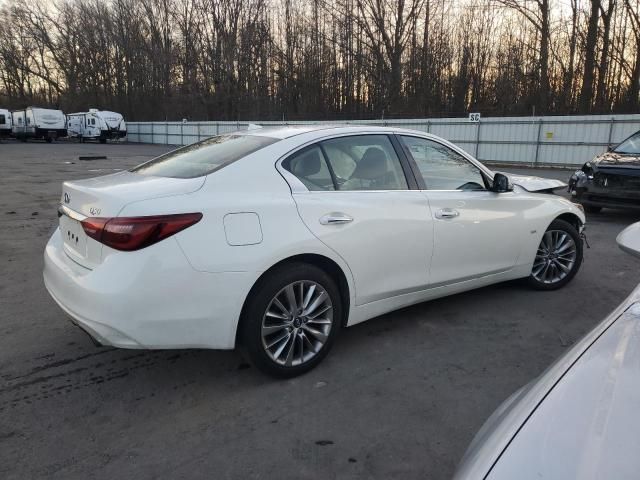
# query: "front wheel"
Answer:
x=558 y=258
x=291 y=320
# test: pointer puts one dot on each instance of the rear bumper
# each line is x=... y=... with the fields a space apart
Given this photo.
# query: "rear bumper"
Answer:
x=151 y=298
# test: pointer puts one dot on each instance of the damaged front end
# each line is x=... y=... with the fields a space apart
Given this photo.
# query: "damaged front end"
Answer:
x=610 y=181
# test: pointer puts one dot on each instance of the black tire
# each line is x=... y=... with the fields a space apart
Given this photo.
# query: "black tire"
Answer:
x=569 y=229
x=256 y=307
x=592 y=209
x=49 y=139
x=103 y=140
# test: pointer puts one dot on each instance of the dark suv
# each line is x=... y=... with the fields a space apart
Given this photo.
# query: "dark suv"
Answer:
x=610 y=180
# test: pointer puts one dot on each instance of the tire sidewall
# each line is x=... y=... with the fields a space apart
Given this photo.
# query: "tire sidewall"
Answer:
x=257 y=303
x=565 y=226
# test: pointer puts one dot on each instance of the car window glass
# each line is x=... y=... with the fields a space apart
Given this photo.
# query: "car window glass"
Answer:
x=205 y=157
x=441 y=167
x=2 y=119
x=343 y=165
x=630 y=145
x=310 y=167
x=365 y=162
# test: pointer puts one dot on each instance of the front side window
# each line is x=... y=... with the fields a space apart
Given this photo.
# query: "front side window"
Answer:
x=364 y=162
x=202 y=158
x=630 y=146
x=3 y=119
x=441 y=167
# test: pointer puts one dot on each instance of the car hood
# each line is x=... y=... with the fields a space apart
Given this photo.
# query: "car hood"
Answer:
x=535 y=184
x=613 y=159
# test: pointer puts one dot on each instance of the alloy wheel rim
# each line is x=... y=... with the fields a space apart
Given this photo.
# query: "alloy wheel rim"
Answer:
x=297 y=323
x=555 y=257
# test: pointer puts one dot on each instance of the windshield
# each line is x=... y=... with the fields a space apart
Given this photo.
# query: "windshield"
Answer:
x=203 y=157
x=631 y=145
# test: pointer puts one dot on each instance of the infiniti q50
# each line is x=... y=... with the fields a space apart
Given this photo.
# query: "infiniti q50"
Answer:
x=275 y=239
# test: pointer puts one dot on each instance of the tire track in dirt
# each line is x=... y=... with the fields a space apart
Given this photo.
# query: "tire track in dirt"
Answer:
x=54 y=378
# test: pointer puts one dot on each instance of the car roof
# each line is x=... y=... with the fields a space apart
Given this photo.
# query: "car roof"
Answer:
x=287 y=131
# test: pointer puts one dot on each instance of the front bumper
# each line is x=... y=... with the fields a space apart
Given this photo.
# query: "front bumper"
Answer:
x=152 y=298
x=586 y=191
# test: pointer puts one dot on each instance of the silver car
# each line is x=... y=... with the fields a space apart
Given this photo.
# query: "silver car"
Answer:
x=581 y=418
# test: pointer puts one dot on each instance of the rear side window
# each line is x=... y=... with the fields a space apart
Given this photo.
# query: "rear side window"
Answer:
x=365 y=162
x=357 y=162
x=203 y=157
x=3 y=119
x=310 y=168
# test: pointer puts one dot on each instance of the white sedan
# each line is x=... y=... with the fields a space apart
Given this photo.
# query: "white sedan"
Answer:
x=276 y=238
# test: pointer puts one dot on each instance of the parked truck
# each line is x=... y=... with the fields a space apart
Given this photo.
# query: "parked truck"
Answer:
x=33 y=122
x=5 y=123
x=95 y=124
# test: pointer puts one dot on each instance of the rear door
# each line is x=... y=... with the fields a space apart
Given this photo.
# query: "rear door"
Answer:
x=358 y=201
x=476 y=232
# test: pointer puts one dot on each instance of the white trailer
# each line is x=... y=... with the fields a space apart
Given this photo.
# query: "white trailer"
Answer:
x=96 y=125
x=5 y=122
x=33 y=122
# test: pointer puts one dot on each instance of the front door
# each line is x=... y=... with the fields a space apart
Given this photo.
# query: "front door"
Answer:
x=359 y=204
x=476 y=232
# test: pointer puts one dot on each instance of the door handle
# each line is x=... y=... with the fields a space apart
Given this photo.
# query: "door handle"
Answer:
x=447 y=213
x=335 y=218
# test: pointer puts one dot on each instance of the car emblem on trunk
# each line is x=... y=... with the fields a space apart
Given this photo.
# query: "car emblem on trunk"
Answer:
x=67 y=198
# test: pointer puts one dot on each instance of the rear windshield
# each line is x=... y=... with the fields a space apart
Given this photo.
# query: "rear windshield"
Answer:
x=630 y=145
x=203 y=157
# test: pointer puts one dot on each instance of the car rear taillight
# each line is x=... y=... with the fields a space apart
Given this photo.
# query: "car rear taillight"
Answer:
x=134 y=233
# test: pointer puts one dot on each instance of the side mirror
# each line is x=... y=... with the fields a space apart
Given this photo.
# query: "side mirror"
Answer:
x=629 y=239
x=500 y=183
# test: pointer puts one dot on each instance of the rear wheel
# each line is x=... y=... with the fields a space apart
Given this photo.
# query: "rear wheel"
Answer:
x=103 y=140
x=558 y=258
x=291 y=320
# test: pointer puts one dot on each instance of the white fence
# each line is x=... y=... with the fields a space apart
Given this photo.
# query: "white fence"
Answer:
x=555 y=141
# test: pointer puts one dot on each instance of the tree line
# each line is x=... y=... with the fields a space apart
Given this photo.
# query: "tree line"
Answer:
x=321 y=59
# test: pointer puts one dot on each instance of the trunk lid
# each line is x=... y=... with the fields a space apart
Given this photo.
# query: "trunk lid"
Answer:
x=105 y=197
